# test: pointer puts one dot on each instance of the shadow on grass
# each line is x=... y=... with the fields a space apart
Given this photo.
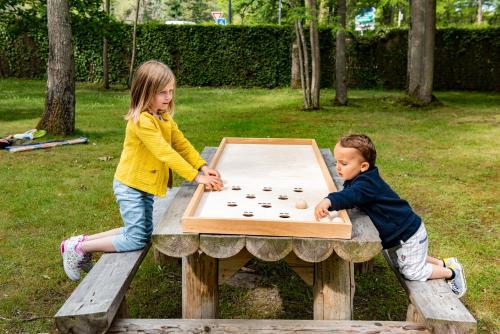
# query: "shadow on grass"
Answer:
x=470 y=99
x=8 y=114
x=378 y=295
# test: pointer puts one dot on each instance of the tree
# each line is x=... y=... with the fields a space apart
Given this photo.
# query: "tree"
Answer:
x=340 y=58
x=134 y=36
x=315 y=54
x=59 y=114
x=421 y=37
x=105 y=60
x=310 y=79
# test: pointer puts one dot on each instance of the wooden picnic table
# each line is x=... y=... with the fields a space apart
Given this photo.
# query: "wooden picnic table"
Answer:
x=210 y=259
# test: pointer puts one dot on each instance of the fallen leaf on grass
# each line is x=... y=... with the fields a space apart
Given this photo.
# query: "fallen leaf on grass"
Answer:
x=105 y=158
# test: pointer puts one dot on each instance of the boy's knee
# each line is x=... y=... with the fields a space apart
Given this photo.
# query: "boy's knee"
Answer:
x=416 y=275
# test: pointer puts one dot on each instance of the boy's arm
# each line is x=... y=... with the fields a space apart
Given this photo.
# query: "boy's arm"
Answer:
x=359 y=193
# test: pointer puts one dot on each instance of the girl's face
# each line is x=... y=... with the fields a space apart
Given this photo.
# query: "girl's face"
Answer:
x=162 y=99
x=350 y=162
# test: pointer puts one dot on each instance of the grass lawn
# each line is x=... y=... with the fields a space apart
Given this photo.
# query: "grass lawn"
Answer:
x=444 y=160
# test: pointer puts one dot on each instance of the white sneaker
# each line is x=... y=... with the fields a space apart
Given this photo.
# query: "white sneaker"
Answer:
x=450 y=261
x=86 y=264
x=71 y=259
x=458 y=284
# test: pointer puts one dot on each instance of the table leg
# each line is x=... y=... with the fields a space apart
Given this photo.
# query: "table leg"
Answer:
x=333 y=289
x=199 y=286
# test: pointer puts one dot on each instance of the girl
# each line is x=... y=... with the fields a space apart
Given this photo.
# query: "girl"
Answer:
x=153 y=147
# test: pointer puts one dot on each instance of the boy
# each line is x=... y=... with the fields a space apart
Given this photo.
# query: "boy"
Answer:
x=399 y=227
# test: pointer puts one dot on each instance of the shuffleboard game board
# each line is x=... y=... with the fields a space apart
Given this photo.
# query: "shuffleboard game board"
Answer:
x=271 y=187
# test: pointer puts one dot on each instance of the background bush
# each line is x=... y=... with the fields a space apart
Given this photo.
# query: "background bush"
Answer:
x=247 y=56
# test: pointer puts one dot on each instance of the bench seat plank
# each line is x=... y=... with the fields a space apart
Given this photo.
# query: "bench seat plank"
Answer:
x=433 y=303
x=213 y=326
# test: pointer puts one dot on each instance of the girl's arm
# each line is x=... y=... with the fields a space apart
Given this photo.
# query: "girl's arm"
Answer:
x=151 y=137
x=184 y=147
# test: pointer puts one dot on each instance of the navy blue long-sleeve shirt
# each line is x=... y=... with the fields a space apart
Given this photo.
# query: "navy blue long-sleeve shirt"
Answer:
x=392 y=216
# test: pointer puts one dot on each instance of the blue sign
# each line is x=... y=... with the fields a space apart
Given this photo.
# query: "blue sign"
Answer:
x=221 y=21
x=365 y=20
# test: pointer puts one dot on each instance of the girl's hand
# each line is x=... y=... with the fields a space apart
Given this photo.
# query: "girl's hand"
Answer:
x=209 y=171
x=321 y=209
x=213 y=183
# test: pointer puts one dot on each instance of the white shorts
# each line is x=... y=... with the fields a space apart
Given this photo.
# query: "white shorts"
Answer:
x=412 y=256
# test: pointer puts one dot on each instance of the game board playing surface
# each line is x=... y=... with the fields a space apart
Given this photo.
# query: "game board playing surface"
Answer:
x=265 y=181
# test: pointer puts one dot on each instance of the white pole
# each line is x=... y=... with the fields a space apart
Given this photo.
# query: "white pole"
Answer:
x=279 y=12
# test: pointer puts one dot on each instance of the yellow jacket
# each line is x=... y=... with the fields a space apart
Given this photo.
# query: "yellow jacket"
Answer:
x=150 y=148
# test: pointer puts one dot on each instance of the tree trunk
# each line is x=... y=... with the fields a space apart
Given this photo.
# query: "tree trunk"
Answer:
x=421 y=50
x=295 y=77
x=315 y=55
x=479 y=11
x=59 y=114
x=303 y=69
x=340 y=58
x=132 y=60
x=105 y=61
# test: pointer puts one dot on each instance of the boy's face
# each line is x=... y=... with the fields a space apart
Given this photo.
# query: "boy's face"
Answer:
x=162 y=99
x=350 y=162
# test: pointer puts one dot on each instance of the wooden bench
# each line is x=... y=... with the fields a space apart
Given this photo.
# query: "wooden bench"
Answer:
x=100 y=296
x=213 y=326
x=433 y=304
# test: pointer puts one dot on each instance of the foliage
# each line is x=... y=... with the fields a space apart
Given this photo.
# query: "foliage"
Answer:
x=247 y=56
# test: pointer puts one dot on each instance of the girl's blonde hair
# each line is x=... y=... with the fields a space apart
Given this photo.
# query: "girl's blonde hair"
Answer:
x=149 y=79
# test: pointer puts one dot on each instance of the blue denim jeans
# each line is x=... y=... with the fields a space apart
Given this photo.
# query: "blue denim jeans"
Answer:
x=136 y=209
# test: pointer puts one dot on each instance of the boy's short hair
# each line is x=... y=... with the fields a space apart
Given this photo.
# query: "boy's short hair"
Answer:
x=363 y=144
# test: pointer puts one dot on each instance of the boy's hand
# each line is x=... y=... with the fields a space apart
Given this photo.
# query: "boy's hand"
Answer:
x=321 y=209
x=213 y=183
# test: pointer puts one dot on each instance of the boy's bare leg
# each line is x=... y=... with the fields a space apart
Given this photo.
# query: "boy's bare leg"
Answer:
x=103 y=244
x=112 y=232
x=438 y=271
x=433 y=260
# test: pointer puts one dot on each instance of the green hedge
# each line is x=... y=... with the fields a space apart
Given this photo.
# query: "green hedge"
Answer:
x=246 y=56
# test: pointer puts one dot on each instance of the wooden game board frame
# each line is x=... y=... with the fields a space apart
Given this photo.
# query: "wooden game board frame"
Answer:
x=251 y=226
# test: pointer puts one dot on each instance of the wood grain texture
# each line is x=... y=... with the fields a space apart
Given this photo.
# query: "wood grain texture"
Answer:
x=168 y=237
x=312 y=250
x=220 y=326
x=365 y=242
x=434 y=303
x=221 y=246
x=269 y=248
x=199 y=286
x=333 y=289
